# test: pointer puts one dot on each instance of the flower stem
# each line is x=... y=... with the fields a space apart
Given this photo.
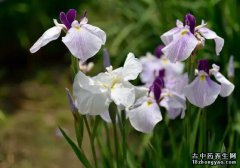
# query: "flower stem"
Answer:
x=191 y=64
x=124 y=142
x=91 y=141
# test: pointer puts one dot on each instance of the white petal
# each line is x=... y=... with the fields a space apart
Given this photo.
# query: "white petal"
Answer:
x=226 y=86
x=145 y=117
x=132 y=67
x=106 y=117
x=181 y=47
x=96 y=31
x=174 y=103
x=209 y=34
x=202 y=91
x=123 y=95
x=49 y=35
x=90 y=99
x=82 y=43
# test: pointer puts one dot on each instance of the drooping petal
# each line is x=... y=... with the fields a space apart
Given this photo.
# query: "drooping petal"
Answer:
x=90 y=98
x=146 y=116
x=83 y=43
x=96 y=31
x=202 y=91
x=209 y=34
x=49 y=35
x=122 y=95
x=168 y=36
x=181 y=47
x=226 y=86
x=174 y=103
x=132 y=67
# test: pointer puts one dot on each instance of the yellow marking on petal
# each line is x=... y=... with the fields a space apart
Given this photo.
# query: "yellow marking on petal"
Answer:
x=184 y=32
x=202 y=77
x=165 y=61
x=149 y=103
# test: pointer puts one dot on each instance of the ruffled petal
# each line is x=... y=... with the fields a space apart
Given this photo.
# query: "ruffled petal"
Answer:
x=89 y=97
x=82 y=42
x=132 y=67
x=146 y=116
x=168 y=36
x=202 y=91
x=226 y=86
x=209 y=34
x=49 y=35
x=181 y=47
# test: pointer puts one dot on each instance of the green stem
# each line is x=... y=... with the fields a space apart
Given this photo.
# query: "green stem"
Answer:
x=116 y=142
x=195 y=129
x=91 y=141
x=124 y=142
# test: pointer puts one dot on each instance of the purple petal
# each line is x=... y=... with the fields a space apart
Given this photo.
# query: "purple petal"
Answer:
x=203 y=66
x=64 y=20
x=190 y=20
x=181 y=47
x=71 y=15
x=231 y=67
x=158 y=51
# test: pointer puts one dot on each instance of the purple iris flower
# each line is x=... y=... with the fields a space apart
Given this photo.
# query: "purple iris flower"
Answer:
x=182 y=40
x=203 y=91
x=82 y=39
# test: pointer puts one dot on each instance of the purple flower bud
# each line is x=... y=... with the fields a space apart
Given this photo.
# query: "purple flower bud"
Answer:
x=106 y=58
x=158 y=51
x=190 y=20
x=231 y=67
x=68 y=18
x=203 y=66
x=70 y=102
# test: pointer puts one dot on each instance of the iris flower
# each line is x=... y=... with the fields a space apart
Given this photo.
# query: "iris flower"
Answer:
x=82 y=39
x=182 y=40
x=203 y=91
x=152 y=64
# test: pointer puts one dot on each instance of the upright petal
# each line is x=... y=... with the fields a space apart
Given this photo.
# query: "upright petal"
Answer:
x=226 y=86
x=202 y=91
x=209 y=34
x=146 y=116
x=168 y=36
x=90 y=98
x=83 y=43
x=132 y=67
x=49 y=35
x=181 y=47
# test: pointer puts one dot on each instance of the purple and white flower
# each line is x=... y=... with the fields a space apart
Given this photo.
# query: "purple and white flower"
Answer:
x=203 y=91
x=152 y=64
x=182 y=40
x=82 y=39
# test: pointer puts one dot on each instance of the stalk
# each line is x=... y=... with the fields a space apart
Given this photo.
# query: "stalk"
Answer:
x=91 y=141
x=124 y=142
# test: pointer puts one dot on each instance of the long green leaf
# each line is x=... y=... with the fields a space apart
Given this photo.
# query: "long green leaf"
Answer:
x=77 y=151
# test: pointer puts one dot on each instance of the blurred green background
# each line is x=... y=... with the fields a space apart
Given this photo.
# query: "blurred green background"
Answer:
x=32 y=95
